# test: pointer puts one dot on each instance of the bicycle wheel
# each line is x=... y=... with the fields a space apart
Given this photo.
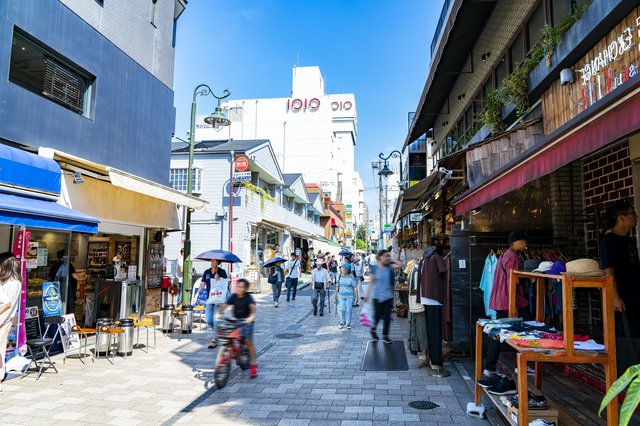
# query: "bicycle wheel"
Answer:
x=243 y=360
x=223 y=367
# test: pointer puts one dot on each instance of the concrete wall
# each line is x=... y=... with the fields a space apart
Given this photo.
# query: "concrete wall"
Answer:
x=132 y=111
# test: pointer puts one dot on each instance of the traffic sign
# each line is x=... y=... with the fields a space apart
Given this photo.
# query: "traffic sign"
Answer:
x=242 y=163
x=242 y=177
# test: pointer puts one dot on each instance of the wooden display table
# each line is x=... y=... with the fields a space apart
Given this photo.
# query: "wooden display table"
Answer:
x=567 y=355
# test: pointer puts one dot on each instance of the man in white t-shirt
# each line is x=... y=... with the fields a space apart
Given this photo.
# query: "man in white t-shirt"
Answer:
x=292 y=272
x=180 y=268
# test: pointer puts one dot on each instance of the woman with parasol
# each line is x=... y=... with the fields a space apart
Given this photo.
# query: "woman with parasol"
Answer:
x=215 y=273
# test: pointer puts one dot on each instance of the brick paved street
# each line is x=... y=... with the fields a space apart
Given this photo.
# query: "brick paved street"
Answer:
x=313 y=380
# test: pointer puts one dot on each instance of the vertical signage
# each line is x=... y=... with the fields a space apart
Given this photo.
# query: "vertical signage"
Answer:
x=20 y=252
x=51 y=302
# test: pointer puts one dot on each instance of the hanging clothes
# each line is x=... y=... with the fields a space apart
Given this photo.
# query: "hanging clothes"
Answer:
x=432 y=291
x=486 y=282
x=417 y=324
x=447 y=308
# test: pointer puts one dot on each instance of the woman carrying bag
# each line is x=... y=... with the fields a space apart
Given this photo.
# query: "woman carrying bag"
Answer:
x=10 y=288
x=347 y=291
x=216 y=285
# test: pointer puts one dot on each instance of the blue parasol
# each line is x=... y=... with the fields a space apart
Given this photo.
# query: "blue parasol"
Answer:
x=345 y=253
x=273 y=260
x=219 y=255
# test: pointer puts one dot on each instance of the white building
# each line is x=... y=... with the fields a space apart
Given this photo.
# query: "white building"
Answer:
x=311 y=132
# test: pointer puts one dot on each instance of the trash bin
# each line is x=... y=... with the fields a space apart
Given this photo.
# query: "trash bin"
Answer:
x=103 y=338
x=165 y=298
x=126 y=324
x=167 y=319
x=187 y=320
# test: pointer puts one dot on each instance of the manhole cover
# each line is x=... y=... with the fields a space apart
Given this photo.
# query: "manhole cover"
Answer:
x=423 y=405
x=289 y=335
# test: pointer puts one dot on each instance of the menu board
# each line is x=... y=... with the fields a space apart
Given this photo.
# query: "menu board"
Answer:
x=32 y=323
x=32 y=255
x=156 y=266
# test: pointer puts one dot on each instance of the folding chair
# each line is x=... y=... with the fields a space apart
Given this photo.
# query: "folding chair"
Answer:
x=43 y=343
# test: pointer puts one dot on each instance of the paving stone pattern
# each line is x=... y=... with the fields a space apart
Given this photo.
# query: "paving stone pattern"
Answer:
x=314 y=380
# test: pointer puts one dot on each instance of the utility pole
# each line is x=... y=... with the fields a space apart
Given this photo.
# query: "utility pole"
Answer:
x=377 y=165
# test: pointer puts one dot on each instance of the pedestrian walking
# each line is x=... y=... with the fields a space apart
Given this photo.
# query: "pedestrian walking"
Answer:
x=180 y=267
x=346 y=293
x=10 y=288
x=275 y=278
x=381 y=291
x=321 y=281
x=333 y=269
x=293 y=273
x=359 y=268
x=215 y=273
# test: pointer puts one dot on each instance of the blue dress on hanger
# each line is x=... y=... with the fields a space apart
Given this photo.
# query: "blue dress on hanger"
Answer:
x=486 y=282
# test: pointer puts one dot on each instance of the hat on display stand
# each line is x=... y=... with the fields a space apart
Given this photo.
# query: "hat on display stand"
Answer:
x=530 y=265
x=543 y=267
x=584 y=268
x=557 y=269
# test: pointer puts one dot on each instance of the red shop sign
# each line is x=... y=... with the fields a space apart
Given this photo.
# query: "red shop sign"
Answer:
x=242 y=163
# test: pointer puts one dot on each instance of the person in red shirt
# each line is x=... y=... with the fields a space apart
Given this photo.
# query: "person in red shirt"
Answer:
x=499 y=300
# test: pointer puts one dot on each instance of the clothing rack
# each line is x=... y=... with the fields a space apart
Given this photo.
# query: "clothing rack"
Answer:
x=567 y=355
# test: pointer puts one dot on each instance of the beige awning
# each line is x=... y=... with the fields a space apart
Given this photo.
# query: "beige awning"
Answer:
x=413 y=196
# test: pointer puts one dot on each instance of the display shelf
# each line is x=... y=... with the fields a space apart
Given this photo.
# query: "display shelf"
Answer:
x=569 y=354
x=97 y=259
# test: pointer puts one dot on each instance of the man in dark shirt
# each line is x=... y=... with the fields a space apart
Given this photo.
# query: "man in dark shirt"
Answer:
x=244 y=307
x=619 y=258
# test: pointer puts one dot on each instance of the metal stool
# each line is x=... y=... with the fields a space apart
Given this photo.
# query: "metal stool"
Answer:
x=112 y=332
x=178 y=315
x=145 y=323
x=84 y=332
x=43 y=343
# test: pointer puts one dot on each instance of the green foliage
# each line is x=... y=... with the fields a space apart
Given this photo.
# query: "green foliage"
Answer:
x=513 y=90
x=360 y=244
x=263 y=194
x=361 y=233
x=631 y=376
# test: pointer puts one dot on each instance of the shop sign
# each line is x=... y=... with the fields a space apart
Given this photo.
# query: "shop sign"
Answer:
x=298 y=104
x=415 y=217
x=607 y=66
x=242 y=177
x=386 y=229
x=32 y=255
x=19 y=251
x=51 y=303
x=242 y=163
x=340 y=106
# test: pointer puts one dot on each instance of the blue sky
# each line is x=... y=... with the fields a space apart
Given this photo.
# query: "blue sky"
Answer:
x=378 y=50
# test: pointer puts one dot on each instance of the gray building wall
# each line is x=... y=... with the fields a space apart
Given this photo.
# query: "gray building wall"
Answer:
x=127 y=24
x=132 y=111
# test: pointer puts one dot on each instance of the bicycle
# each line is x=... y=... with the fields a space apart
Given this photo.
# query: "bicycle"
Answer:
x=231 y=346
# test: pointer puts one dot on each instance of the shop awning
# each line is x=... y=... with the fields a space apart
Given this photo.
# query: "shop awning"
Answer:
x=152 y=189
x=613 y=119
x=30 y=212
x=23 y=169
x=333 y=223
x=413 y=196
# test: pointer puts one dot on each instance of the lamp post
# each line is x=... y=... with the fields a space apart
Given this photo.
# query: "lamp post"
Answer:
x=217 y=120
x=386 y=172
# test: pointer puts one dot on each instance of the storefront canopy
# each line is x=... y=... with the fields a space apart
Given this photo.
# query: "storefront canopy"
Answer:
x=25 y=170
x=31 y=212
x=612 y=118
x=413 y=196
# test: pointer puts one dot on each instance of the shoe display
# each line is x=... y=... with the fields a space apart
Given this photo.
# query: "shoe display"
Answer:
x=535 y=402
x=253 y=371
x=491 y=381
x=505 y=401
x=541 y=422
x=505 y=387
x=530 y=371
x=374 y=335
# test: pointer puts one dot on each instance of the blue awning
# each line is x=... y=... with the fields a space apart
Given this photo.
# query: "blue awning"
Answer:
x=30 y=212
x=26 y=170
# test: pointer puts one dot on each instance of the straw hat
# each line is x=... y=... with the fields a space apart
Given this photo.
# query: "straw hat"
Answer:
x=584 y=268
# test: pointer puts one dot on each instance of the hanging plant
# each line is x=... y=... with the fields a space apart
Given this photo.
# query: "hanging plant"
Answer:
x=259 y=191
x=514 y=89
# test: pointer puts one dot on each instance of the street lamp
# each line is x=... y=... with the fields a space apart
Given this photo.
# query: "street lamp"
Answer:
x=386 y=172
x=217 y=120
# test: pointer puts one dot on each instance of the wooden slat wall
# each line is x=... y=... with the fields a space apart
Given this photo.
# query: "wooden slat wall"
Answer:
x=488 y=158
x=558 y=107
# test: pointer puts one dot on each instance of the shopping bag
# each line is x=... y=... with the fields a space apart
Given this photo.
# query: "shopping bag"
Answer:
x=219 y=291
x=366 y=315
x=627 y=348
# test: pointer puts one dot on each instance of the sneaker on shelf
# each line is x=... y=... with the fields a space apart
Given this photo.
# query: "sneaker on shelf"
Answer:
x=505 y=387
x=374 y=335
x=386 y=340
x=253 y=371
x=491 y=381
x=541 y=422
x=535 y=402
x=530 y=371
x=504 y=400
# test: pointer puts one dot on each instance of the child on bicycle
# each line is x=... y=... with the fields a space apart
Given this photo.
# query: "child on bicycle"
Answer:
x=244 y=307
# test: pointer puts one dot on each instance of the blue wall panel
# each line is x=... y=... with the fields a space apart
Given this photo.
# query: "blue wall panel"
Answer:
x=132 y=114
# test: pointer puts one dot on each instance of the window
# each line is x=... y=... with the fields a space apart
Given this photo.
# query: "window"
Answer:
x=468 y=118
x=272 y=238
x=488 y=87
x=558 y=10
x=516 y=53
x=153 y=11
x=34 y=68
x=173 y=37
x=501 y=71
x=535 y=26
x=178 y=179
x=354 y=182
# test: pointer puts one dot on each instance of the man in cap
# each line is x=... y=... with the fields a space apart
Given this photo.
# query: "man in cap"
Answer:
x=320 y=282
x=499 y=302
x=619 y=258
